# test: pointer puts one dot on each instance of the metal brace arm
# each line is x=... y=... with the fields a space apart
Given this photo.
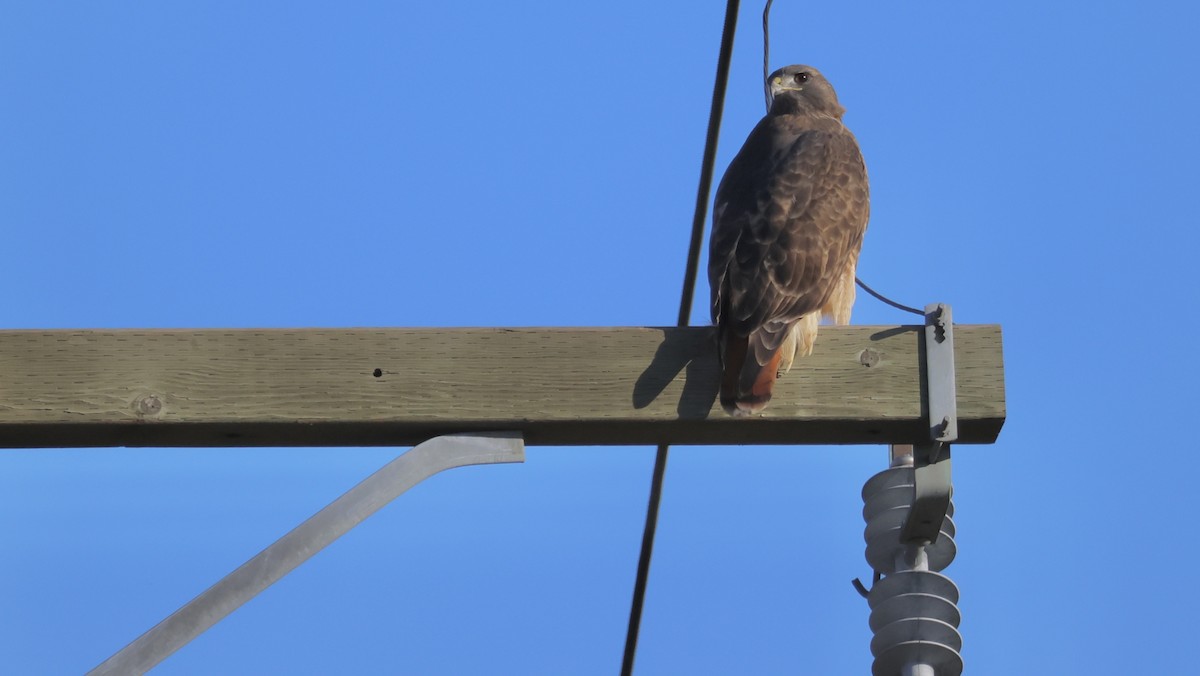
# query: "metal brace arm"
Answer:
x=291 y=550
x=931 y=460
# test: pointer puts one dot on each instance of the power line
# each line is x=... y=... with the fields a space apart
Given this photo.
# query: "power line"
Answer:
x=767 y=52
x=685 y=312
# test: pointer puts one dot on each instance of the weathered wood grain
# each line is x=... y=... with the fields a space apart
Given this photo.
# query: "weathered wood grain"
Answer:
x=571 y=386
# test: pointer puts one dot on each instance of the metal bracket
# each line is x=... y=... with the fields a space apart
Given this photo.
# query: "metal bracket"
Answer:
x=940 y=391
x=931 y=491
x=931 y=459
x=291 y=550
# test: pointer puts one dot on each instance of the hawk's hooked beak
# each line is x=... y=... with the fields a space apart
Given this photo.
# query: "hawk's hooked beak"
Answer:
x=778 y=86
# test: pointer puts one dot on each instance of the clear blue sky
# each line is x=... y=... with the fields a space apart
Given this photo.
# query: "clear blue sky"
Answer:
x=294 y=164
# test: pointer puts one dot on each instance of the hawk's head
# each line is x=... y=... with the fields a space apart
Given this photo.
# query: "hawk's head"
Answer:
x=802 y=89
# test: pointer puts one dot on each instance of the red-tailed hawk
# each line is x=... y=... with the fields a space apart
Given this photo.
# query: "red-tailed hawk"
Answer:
x=788 y=225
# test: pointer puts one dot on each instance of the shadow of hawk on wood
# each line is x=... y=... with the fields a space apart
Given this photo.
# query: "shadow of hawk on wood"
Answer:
x=788 y=224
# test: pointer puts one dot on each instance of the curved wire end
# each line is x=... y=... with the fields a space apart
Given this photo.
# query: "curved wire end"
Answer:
x=860 y=587
x=885 y=299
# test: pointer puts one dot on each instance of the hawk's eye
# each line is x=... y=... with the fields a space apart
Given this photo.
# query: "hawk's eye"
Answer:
x=800 y=78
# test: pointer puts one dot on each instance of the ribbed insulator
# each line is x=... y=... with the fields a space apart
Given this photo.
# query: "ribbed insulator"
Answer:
x=913 y=612
x=888 y=497
x=915 y=621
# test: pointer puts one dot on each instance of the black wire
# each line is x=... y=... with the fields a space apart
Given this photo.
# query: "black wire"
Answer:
x=706 y=166
x=887 y=300
x=643 y=569
x=767 y=52
x=685 y=312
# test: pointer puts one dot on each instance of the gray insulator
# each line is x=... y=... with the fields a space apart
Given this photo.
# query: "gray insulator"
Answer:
x=913 y=613
x=888 y=496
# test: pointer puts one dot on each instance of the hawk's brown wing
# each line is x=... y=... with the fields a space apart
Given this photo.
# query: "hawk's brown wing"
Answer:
x=790 y=213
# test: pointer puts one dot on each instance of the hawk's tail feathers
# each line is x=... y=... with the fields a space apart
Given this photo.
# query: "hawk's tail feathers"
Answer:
x=745 y=384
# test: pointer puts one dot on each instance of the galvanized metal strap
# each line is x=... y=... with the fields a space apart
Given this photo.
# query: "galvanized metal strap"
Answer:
x=941 y=391
x=931 y=459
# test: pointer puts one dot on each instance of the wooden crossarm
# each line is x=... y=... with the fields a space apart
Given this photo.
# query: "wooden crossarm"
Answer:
x=560 y=386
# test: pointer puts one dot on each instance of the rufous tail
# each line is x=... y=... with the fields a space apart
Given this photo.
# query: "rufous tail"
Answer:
x=745 y=384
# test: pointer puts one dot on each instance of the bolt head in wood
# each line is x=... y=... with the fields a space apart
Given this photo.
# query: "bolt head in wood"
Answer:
x=149 y=404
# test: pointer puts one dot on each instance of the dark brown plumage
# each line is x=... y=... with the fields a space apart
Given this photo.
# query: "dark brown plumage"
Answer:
x=788 y=224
